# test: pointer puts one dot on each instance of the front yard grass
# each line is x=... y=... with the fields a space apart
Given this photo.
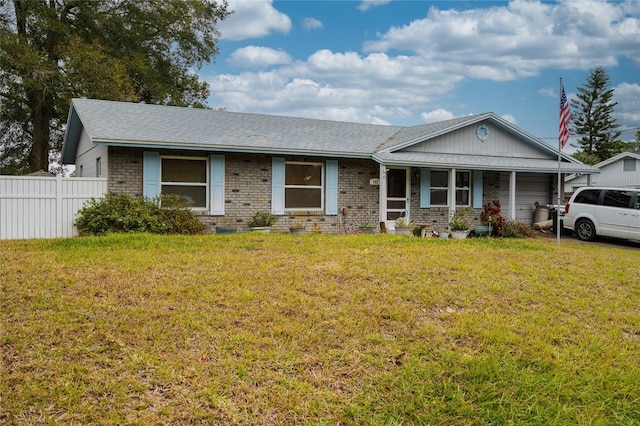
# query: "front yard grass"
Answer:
x=318 y=329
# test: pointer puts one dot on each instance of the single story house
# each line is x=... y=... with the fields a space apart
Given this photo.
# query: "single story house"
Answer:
x=325 y=175
x=621 y=170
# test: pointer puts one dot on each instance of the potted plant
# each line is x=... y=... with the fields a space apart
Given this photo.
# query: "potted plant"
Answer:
x=443 y=233
x=297 y=228
x=491 y=218
x=261 y=221
x=459 y=224
x=402 y=227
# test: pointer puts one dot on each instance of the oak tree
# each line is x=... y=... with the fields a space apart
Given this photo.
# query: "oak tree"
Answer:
x=129 y=50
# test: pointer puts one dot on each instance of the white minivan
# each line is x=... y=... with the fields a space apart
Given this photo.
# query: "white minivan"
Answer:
x=608 y=212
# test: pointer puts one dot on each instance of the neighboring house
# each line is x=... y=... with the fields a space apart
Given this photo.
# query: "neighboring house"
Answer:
x=330 y=176
x=622 y=170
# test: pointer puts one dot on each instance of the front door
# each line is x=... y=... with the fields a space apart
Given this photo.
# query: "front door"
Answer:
x=397 y=193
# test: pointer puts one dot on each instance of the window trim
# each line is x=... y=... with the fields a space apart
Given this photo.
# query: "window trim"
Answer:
x=445 y=188
x=475 y=188
x=206 y=184
x=469 y=189
x=322 y=186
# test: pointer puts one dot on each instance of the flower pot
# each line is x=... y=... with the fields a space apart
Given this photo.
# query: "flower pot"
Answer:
x=298 y=230
x=261 y=229
x=225 y=230
x=443 y=234
x=404 y=231
x=481 y=230
x=459 y=235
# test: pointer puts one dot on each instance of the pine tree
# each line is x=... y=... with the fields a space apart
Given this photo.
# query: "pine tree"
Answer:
x=592 y=116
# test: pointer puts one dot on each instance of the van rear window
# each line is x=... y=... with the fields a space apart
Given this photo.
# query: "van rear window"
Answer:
x=617 y=198
x=588 y=196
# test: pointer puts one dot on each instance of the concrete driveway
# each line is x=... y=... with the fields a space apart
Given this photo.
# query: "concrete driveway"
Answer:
x=600 y=241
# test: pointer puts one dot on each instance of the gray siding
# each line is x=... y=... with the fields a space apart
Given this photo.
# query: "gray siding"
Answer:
x=499 y=143
x=530 y=188
x=88 y=153
x=612 y=175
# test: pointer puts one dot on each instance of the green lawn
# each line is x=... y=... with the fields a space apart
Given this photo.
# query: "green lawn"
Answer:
x=318 y=329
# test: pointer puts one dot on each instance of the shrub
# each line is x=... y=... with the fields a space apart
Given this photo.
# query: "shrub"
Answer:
x=178 y=218
x=123 y=213
x=492 y=215
x=261 y=219
x=516 y=229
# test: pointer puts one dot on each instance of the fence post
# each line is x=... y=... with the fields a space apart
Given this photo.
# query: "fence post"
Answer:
x=59 y=206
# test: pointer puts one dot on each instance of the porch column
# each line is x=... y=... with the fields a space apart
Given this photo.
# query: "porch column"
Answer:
x=452 y=191
x=512 y=196
x=382 y=194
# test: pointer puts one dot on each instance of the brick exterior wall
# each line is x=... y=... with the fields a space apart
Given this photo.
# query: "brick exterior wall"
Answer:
x=248 y=190
x=124 y=172
x=438 y=217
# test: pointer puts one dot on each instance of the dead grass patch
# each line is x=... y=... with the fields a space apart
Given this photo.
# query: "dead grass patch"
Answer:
x=318 y=329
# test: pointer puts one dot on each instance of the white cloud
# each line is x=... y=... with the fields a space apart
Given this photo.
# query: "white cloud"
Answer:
x=391 y=112
x=329 y=81
x=438 y=52
x=368 y=4
x=548 y=92
x=259 y=57
x=253 y=19
x=510 y=118
x=436 y=115
x=311 y=24
x=520 y=40
x=627 y=112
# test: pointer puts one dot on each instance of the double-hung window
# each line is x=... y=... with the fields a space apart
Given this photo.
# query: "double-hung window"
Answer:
x=439 y=189
x=463 y=188
x=187 y=178
x=303 y=186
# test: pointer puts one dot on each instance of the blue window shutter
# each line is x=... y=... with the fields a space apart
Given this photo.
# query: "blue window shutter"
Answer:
x=477 y=189
x=216 y=197
x=151 y=174
x=277 y=185
x=331 y=189
x=425 y=188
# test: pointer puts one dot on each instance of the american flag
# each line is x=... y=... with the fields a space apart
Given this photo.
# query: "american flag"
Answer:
x=565 y=117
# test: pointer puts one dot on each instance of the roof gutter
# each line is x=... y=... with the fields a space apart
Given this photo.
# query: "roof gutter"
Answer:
x=573 y=169
x=240 y=150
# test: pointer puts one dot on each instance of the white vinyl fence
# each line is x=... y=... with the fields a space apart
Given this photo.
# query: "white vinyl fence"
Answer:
x=44 y=207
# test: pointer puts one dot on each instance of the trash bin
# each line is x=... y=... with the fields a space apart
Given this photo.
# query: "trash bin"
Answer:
x=541 y=214
x=557 y=221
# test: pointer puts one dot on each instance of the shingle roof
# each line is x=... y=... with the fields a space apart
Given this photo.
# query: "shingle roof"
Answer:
x=156 y=126
x=113 y=122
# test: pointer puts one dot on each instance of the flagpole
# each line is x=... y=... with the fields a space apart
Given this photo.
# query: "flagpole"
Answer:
x=557 y=224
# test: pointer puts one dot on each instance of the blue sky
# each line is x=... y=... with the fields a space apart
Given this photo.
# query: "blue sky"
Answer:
x=403 y=62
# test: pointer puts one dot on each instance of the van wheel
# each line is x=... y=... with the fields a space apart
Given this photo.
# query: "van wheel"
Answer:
x=585 y=230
